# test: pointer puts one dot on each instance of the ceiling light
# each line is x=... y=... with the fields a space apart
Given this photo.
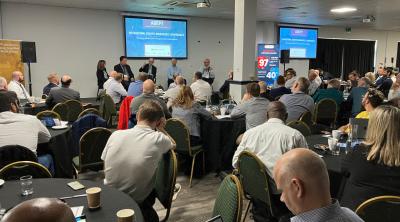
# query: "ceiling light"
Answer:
x=343 y=10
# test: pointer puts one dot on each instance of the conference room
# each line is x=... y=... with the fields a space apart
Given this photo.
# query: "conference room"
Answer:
x=199 y=110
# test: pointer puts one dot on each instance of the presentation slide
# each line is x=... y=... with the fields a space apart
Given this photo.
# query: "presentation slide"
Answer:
x=301 y=42
x=155 y=37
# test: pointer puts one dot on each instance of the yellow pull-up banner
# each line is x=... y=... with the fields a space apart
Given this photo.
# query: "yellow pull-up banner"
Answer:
x=10 y=58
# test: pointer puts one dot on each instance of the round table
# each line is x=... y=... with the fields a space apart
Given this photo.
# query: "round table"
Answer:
x=60 y=147
x=112 y=200
x=333 y=164
x=37 y=108
x=219 y=141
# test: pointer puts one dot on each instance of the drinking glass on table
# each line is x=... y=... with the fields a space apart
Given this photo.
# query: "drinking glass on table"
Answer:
x=333 y=146
x=26 y=185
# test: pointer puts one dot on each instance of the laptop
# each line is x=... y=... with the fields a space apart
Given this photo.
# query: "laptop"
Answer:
x=362 y=127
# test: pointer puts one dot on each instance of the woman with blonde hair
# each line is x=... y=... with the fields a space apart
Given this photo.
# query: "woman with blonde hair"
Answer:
x=370 y=76
x=189 y=112
x=395 y=89
x=374 y=166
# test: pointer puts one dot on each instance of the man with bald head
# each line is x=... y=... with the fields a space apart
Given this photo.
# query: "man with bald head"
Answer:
x=16 y=85
x=269 y=141
x=40 y=210
x=315 y=81
x=109 y=80
x=148 y=94
x=136 y=88
x=53 y=82
x=4 y=90
x=302 y=177
x=63 y=93
x=172 y=93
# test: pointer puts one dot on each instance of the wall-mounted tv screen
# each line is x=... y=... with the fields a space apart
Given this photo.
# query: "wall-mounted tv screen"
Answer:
x=155 y=37
x=301 y=42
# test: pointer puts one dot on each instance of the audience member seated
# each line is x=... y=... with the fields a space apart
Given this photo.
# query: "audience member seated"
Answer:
x=394 y=91
x=290 y=78
x=302 y=177
x=372 y=99
x=115 y=89
x=16 y=85
x=253 y=107
x=356 y=96
x=353 y=79
x=371 y=77
x=264 y=91
x=138 y=151
x=4 y=90
x=173 y=93
x=315 y=81
x=53 y=82
x=40 y=210
x=148 y=94
x=110 y=79
x=299 y=101
x=173 y=84
x=331 y=92
x=225 y=87
x=201 y=89
x=136 y=87
x=374 y=166
x=188 y=111
x=384 y=82
x=63 y=93
x=268 y=142
x=23 y=130
x=281 y=89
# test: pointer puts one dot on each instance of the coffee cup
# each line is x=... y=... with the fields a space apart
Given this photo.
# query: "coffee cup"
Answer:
x=93 y=197
x=125 y=215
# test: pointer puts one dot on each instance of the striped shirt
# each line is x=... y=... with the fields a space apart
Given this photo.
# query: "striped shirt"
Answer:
x=331 y=213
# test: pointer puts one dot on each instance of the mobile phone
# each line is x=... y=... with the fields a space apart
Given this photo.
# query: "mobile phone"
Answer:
x=75 y=185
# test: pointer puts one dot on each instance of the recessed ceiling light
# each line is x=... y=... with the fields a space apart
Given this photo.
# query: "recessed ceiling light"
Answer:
x=343 y=10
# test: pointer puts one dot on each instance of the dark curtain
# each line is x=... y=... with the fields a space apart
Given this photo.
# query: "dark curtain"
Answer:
x=398 y=55
x=329 y=56
x=358 y=55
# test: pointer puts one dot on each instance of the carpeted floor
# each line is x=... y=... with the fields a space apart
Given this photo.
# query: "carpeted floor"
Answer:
x=192 y=204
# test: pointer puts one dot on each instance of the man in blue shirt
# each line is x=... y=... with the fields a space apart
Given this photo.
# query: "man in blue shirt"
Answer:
x=136 y=88
x=173 y=70
x=53 y=82
x=331 y=92
x=356 y=96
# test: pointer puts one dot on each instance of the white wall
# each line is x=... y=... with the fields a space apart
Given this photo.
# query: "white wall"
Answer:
x=70 y=40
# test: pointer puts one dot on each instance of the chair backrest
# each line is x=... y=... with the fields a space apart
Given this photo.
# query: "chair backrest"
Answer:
x=74 y=109
x=89 y=111
x=326 y=112
x=254 y=178
x=47 y=113
x=62 y=110
x=382 y=208
x=301 y=127
x=307 y=118
x=180 y=133
x=166 y=179
x=91 y=147
x=229 y=200
x=14 y=171
x=107 y=107
x=13 y=153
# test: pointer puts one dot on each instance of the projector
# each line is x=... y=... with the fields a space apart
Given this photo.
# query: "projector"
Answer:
x=202 y=5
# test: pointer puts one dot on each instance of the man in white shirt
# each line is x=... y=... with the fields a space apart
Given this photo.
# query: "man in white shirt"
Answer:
x=172 y=93
x=207 y=71
x=109 y=80
x=131 y=157
x=315 y=81
x=16 y=86
x=23 y=130
x=269 y=141
x=201 y=89
x=115 y=88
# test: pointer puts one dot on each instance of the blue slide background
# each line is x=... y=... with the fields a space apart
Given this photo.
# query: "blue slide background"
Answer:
x=135 y=46
x=309 y=44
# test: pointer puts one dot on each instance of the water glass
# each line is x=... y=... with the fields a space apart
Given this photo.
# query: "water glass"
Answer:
x=333 y=146
x=26 y=185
